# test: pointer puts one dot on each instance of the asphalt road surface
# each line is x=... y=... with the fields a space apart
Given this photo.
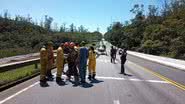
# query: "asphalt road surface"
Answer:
x=146 y=83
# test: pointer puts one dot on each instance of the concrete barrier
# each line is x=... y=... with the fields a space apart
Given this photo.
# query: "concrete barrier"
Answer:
x=175 y=63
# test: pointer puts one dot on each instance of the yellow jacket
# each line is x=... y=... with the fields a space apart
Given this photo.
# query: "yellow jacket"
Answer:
x=92 y=62
x=92 y=56
x=60 y=58
x=43 y=56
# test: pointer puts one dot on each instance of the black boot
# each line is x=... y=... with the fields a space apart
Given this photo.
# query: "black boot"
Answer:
x=58 y=79
x=93 y=77
x=43 y=83
x=89 y=77
x=76 y=80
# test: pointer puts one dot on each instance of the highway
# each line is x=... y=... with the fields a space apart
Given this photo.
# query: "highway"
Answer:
x=146 y=83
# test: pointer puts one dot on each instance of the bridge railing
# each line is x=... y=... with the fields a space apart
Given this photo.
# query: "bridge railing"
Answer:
x=19 y=64
x=15 y=65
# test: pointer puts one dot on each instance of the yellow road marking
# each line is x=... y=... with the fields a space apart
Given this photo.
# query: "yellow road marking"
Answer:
x=178 y=85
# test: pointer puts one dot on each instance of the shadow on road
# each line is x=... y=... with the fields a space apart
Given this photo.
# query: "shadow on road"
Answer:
x=96 y=81
x=125 y=74
x=129 y=75
x=86 y=85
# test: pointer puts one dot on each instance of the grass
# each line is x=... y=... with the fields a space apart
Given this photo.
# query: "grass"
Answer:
x=12 y=75
x=14 y=52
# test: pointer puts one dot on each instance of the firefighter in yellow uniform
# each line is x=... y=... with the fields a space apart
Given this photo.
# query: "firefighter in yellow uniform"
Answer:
x=92 y=64
x=60 y=63
x=43 y=63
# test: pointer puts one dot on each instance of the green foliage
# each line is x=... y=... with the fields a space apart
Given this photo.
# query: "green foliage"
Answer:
x=16 y=74
x=21 y=36
x=153 y=33
x=14 y=52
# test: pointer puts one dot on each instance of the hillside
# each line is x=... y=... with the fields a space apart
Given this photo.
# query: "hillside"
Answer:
x=21 y=36
x=159 y=32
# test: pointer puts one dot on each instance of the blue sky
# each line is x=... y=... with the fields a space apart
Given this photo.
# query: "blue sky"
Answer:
x=89 y=13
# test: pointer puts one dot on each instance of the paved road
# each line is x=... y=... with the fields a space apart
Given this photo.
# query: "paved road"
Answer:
x=141 y=87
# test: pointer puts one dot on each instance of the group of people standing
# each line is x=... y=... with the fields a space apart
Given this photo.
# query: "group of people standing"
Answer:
x=123 y=58
x=76 y=58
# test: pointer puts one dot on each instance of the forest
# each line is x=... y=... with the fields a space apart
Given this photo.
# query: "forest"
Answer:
x=158 y=32
x=22 y=35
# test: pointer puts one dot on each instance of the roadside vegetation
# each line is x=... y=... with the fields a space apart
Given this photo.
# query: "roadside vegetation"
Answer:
x=158 y=32
x=19 y=73
x=22 y=35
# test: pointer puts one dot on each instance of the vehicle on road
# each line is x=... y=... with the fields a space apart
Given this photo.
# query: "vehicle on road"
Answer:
x=102 y=50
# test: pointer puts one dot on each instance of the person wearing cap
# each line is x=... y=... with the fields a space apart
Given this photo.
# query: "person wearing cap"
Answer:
x=60 y=63
x=83 y=62
x=92 y=64
x=66 y=51
x=66 y=47
x=123 y=60
x=43 y=63
x=71 y=59
x=77 y=48
x=50 y=60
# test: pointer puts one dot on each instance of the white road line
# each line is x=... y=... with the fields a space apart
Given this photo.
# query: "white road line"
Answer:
x=21 y=91
x=98 y=77
x=116 y=78
x=116 y=102
x=137 y=80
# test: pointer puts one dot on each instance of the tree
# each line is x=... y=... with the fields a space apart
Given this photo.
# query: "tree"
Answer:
x=47 y=22
x=29 y=19
x=6 y=15
x=117 y=25
x=81 y=28
x=71 y=27
x=63 y=28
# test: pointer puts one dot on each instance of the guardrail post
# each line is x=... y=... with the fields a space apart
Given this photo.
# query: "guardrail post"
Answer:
x=36 y=66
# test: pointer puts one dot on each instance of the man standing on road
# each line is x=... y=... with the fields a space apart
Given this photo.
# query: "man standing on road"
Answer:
x=71 y=59
x=83 y=62
x=60 y=63
x=123 y=60
x=77 y=48
x=50 y=60
x=92 y=64
x=43 y=63
x=113 y=54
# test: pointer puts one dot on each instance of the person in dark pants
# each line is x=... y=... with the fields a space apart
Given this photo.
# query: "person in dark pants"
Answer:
x=112 y=53
x=83 y=62
x=72 y=57
x=123 y=60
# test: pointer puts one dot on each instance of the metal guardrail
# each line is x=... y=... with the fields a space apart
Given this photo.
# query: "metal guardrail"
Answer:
x=15 y=65
x=11 y=66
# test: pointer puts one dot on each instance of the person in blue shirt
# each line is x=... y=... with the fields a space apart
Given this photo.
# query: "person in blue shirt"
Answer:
x=83 y=62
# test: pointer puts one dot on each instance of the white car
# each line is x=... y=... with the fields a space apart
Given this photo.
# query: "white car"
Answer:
x=102 y=50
